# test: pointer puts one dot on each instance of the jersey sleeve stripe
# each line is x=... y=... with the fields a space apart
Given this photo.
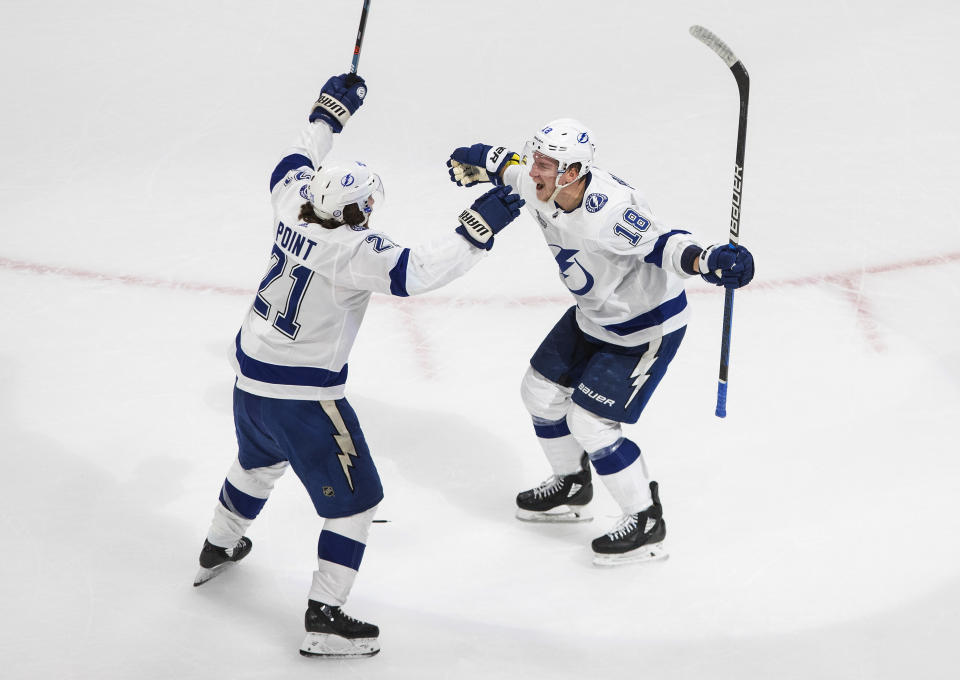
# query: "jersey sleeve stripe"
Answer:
x=654 y=317
x=655 y=256
x=398 y=275
x=306 y=376
x=288 y=163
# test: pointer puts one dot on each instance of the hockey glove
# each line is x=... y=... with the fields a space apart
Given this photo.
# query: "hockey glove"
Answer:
x=488 y=215
x=727 y=266
x=480 y=163
x=339 y=99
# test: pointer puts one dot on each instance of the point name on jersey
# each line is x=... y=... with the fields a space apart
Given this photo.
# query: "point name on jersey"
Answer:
x=293 y=242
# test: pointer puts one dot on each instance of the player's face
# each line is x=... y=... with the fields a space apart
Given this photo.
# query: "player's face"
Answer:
x=543 y=171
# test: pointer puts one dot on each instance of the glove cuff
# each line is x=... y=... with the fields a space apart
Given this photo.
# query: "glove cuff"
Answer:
x=330 y=107
x=703 y=262
x=497 y=159
x=475 y=229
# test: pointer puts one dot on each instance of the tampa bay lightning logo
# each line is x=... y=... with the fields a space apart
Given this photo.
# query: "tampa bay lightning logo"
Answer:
x=305 y=192
x=583 y=138
x=576 y=278
x=347 y=180
x=595 y=202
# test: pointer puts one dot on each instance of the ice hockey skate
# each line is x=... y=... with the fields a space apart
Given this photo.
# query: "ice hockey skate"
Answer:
x=561 y=498
x=214 y=560
x=635 y=538
x=333 y=634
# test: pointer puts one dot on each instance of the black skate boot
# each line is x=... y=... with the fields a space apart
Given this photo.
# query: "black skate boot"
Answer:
x=332 y=633
x=214 y=559
x=635 y=538
x=561 y=498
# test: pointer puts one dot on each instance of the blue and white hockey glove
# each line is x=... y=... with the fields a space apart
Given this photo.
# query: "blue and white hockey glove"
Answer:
x=339 y=99
x=488 y=215
x=471 y=165
x=725 y=266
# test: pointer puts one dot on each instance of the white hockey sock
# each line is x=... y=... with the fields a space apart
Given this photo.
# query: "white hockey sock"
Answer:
x=339 y=552
x=563 y=453
x=630 y=488
x=227 y=527
x=616 y=459
x=548 y=404
x=243 y=494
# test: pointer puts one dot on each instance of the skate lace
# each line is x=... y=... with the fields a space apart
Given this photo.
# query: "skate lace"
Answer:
x=241 y=544
x=626 y=524
x=548 y=486
x=344 y=615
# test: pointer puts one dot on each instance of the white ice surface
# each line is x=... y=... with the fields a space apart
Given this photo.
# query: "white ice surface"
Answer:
x=813 y=533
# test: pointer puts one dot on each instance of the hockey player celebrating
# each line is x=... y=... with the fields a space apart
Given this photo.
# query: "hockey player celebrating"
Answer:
x=291 y=357
x=601 y=362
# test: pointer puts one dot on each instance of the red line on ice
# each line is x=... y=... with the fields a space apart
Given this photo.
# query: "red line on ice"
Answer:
x=849 y=283
x=843 y=279
x=128 y=279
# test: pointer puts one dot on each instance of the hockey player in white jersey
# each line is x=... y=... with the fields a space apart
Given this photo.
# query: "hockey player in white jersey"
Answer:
x=602 y=361
x=290 y=357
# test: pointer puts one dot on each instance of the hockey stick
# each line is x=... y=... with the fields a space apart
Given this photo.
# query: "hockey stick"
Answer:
x=743 y=84
x=363 y=25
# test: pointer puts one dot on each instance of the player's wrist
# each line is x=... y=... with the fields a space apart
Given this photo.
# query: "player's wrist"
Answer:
x=689 y=260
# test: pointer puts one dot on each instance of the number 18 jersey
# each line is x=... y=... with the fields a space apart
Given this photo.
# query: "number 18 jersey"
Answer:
x=620 y=264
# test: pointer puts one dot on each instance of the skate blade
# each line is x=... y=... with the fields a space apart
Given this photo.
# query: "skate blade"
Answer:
x=646 y=553
x=561 y=513
x=336 y=647
x=205 y=575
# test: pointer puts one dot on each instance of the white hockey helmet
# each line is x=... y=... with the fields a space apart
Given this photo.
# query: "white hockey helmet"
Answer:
x=567 y=141
x=338 y=185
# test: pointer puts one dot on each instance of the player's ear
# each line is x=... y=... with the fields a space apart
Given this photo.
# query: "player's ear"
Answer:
x=571 y=173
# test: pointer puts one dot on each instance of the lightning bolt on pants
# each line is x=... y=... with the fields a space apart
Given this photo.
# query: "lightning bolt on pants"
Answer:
x=321 y=440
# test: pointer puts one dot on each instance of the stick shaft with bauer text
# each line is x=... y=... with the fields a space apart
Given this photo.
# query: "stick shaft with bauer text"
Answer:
x=743 y=84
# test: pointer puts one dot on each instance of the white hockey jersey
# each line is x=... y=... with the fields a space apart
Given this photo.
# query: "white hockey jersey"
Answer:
x=296 y=338
x=621 y=265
